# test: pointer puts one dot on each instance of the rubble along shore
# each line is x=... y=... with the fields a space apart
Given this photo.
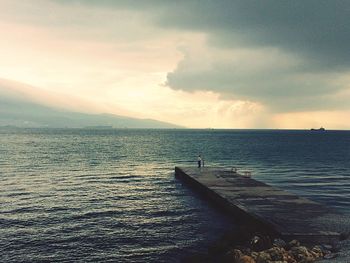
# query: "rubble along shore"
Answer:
x=242 y=246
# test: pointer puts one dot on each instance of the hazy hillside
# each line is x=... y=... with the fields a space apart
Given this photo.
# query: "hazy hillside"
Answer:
x=21 y=112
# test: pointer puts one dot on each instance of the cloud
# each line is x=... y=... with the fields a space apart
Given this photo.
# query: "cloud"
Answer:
x=263 y=75
x=225 y=63
x=286 y=54
x=316 y=29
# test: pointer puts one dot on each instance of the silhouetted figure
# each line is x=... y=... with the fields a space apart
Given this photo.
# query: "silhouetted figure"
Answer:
x=199 y=161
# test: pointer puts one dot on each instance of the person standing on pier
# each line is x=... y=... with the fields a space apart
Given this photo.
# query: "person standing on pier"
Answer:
x=199 y=161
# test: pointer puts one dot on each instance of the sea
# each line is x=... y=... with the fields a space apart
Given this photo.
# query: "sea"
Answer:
x=110 y=195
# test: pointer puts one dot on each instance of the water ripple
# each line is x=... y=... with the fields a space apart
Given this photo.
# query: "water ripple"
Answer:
x=110 y=196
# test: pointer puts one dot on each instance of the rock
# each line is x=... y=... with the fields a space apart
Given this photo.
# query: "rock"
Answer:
x=279 y=243
x=263 y=257
x=246 y=259
x=299 y=250
x=258 y=248
x=254 y=240
x=260 y=242
x=254 y=255
x=317 y=252
x=301 y=254
x=237 y=253
x=289 y=259
x=294 y=243
x=276 y=253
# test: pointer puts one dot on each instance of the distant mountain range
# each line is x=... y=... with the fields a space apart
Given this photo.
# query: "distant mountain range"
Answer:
x=20 y=111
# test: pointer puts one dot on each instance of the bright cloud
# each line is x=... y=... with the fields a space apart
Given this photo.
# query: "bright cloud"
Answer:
x=227 y=64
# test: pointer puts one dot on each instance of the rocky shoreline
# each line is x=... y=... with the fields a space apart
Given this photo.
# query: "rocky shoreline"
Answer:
x=244 y=246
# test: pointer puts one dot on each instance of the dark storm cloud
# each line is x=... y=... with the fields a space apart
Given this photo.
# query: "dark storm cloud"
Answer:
x=279 y=89
x=317 y=29
x=315 y=32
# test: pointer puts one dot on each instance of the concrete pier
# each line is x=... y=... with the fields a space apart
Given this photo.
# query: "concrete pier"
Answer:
x=249 y=201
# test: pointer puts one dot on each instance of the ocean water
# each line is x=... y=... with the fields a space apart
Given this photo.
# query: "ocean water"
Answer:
x=80 y=195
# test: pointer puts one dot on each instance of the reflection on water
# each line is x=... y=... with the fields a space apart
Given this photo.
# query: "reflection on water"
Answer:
x=110 y=195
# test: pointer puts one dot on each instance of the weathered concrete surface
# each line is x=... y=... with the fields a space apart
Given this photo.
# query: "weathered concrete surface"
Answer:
x=279 y=212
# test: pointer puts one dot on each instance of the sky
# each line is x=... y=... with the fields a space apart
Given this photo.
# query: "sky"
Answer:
x=195 y=63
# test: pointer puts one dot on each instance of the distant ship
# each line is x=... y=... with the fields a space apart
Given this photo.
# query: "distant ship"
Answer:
x=320 y=129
